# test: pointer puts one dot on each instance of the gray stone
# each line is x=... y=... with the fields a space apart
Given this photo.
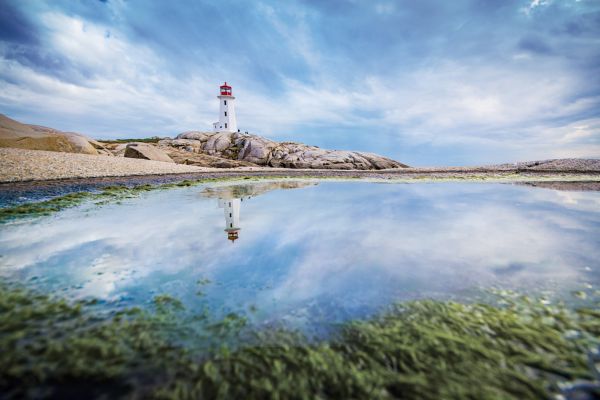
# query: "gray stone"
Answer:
x=195 y=135
x=218 y=143
x=147 y=152
x=258 y=150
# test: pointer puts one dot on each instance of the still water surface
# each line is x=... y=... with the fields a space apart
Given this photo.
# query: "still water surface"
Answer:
x=308 y=254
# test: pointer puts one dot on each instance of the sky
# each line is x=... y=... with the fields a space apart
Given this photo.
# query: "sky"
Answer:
x=461 y=82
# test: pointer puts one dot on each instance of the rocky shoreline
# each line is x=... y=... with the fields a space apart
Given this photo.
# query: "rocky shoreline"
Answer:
x=18 y=165
x=24 y=157
x=20 y=168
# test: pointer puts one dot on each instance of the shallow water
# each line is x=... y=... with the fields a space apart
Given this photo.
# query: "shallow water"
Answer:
x=309 y=254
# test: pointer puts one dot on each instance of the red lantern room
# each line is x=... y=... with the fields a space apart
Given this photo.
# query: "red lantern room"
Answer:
x=232 y=234
x=225 y=90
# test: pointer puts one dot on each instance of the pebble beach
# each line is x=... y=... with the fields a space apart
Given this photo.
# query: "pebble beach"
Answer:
x=19 y=165
x=34 y=165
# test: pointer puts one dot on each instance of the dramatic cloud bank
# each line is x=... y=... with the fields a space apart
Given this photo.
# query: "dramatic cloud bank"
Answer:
x=428 y=82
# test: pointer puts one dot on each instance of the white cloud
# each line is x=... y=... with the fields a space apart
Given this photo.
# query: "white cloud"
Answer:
x=533 y=4
x=452 y=96
x=126 y=83
x=508 y=102
x=584 y=129
x=450 y=103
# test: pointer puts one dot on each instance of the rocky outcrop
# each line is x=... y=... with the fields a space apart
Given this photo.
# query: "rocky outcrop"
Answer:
x=146 y=152
x=34 y=137
x=189 y=157
x=261 y=151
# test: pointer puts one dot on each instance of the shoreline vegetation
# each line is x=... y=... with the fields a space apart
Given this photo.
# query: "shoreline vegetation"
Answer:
x=513 y=347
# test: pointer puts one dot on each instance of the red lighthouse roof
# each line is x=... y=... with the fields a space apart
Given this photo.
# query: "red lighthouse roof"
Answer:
x=225 y=89
x=232 y=234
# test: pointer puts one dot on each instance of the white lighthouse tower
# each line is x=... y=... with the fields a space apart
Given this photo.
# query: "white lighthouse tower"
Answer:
x=231 y=208
x=227 y=122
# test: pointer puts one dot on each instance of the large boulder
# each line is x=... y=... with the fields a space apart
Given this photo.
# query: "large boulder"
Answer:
x=78 y=142
x=195 y=135
x=193 y=146
x=100 y=148
x=147 y=152
x=218 y=143
x=256 y=150
x=118 y=149
x=34 y=137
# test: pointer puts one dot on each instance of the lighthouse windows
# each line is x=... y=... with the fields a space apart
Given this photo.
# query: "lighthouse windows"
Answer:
x=225 y=113
x=225 y=125
x=224 y=102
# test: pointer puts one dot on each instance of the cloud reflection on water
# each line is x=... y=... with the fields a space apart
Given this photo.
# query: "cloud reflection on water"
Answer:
x=330 y=251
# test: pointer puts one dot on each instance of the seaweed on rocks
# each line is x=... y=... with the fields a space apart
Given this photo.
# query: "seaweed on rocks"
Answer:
x=521 y=349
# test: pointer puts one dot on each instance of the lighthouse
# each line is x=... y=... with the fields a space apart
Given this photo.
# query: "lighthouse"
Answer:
x=231 y=208
x=227 y=122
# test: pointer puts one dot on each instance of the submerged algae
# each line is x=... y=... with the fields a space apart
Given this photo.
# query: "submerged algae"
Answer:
x=106 y=195
x=422 y=349
x=44 y=207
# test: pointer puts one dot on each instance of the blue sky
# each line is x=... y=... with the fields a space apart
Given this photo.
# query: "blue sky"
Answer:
x=425 y=82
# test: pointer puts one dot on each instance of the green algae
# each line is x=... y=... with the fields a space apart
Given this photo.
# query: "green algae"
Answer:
x=44 y=207
x=109 y=194
x=423 y=350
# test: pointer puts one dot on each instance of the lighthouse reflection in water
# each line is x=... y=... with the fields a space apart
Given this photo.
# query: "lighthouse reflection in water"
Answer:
x=231 y=209
x=230 y=199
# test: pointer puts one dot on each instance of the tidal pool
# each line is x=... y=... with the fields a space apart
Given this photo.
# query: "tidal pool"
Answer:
x=310 y=254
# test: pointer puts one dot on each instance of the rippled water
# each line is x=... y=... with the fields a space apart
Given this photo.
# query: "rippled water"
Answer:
x=307 y=254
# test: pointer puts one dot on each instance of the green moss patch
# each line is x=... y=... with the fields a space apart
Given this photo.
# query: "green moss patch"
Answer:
x=419 y=350
x=44 y=207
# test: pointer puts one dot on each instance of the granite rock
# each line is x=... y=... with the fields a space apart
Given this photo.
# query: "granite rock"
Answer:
x=34 y=137
x=147 y=152
x=265 y=152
